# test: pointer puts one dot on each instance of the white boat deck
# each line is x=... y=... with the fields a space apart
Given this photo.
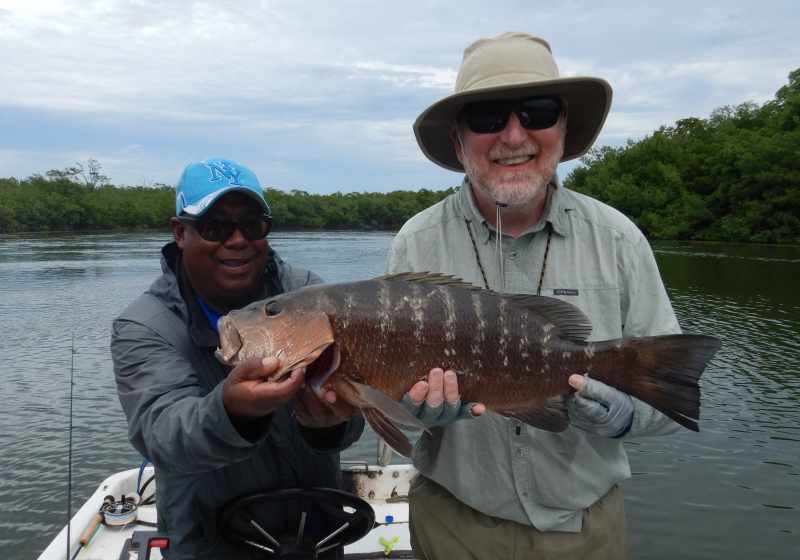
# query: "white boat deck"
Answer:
x=385 y=488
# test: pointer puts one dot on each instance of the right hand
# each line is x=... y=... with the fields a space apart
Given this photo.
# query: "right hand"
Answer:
x=248 y=393
x=436 y=401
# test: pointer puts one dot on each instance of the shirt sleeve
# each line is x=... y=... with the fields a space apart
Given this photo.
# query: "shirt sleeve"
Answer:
x=170 y=421
x=397 y=259
x=646 y=311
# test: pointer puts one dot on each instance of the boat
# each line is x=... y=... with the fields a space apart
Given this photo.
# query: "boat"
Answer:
x=119 y=520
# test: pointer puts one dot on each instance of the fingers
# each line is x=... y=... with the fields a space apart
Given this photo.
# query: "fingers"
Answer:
x=477 y=409
x=254 y=369
x=313 y=412
x=588 y=408
x=443 y=386
x=595 y=390
x=418 y=392
x=450 y=387
x=287 y=387
x=436 y=388
x=248 y=392
x=437 y=400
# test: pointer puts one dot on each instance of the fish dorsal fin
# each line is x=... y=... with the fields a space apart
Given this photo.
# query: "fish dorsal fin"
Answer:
x=569 y=321
x=429 y=278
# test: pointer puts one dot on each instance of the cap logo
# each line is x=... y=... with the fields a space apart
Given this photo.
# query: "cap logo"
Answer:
x=222 y=170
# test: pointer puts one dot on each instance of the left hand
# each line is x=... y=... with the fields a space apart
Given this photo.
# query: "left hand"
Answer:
x=598 y=408
x=313 y=412
x=437 y=402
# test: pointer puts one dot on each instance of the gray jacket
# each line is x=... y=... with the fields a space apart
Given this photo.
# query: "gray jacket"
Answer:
x=169 y=384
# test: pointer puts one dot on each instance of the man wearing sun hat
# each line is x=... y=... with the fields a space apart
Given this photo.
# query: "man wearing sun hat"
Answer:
x=492 y=486
x=215 y=433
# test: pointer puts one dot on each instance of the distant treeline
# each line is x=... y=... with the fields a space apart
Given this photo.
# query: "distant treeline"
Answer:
x=61 y=201
x=732 y=177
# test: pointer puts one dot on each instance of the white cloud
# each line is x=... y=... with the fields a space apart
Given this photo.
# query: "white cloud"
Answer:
x=344 y=79
x=409 y=75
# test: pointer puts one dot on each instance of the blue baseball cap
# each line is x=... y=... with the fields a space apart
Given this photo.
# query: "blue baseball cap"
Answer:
x=202 y=183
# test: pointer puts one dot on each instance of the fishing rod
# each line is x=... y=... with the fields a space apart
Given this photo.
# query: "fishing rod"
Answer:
x=69 y=452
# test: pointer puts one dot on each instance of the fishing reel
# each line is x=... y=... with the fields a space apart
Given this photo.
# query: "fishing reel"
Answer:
x=296 y=523
x=118 y=513
x=112 y=513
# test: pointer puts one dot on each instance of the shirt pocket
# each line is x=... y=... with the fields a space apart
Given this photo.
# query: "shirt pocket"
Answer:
x=600 y=304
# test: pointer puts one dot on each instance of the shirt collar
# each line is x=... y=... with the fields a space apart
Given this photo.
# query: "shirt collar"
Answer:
x=556 y=211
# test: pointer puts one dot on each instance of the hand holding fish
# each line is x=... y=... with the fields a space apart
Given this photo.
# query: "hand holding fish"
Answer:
x=248 y=391
x=437 y=402
x=313 y=412
x=598 y=408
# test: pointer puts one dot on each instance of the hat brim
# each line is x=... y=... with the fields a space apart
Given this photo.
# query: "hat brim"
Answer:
x=588 y=102
x=202 y=206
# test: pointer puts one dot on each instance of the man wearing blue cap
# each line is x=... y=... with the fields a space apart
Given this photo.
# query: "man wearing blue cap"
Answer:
x=214 y=433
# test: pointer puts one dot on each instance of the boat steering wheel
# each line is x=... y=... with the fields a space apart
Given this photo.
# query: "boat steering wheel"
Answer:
x=296 y=523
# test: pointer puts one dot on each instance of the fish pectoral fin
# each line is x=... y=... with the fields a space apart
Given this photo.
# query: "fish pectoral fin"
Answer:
x=393 y=410
x=550 y=416
x=384 y=427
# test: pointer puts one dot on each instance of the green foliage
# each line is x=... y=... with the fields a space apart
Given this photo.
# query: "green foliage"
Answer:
x=62 y=203
x=732 y=177
x=62 y=200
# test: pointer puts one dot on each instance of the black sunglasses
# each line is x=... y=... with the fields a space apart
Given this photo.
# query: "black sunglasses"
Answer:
x=489 y=117
x=253 y=227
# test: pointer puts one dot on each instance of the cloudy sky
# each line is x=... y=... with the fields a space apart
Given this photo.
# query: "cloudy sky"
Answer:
x=321 y=95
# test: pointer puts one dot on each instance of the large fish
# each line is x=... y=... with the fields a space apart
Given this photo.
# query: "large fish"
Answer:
x=370 y=341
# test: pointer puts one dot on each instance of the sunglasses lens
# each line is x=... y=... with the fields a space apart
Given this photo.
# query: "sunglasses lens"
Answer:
x=255 y=228
x=539 y=113
x=215 y=230
x=486 y=117
x=489 y=117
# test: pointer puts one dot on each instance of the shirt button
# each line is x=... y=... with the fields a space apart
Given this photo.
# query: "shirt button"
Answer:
x=512 y=255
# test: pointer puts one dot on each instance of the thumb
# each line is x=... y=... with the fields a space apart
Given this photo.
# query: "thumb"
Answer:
x=254 y=369
x=577 y=382
x=596 y=390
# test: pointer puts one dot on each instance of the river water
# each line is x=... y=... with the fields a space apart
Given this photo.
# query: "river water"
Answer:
x=731 y=491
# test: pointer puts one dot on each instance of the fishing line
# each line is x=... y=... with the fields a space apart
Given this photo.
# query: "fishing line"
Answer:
x=498 y=246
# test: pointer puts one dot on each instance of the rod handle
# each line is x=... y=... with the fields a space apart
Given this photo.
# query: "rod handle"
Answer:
x=86 y=536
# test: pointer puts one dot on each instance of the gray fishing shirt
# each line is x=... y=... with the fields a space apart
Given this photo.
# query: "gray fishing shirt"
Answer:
x=599 y=261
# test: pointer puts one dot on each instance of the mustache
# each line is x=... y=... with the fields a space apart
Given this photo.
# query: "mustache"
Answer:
x=521 y=151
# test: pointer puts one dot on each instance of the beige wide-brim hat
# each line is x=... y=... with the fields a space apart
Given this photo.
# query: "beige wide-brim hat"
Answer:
x=509 y=66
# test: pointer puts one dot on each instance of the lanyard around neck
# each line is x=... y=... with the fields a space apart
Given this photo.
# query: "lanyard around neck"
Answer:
x=549 y=228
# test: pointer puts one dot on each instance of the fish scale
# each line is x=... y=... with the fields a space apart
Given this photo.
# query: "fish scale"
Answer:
x=370 y=341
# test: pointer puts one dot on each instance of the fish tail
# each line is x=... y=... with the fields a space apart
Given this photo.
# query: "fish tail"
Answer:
x=662 y=371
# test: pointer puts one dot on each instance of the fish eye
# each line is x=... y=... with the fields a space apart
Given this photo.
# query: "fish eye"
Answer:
x=272 y=308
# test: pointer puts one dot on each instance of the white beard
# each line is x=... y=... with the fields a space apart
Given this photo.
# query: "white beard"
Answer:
x=515 y=188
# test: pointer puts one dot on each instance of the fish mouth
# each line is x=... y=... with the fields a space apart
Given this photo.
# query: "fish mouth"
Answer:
x=320 y=370
x=318 y=363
